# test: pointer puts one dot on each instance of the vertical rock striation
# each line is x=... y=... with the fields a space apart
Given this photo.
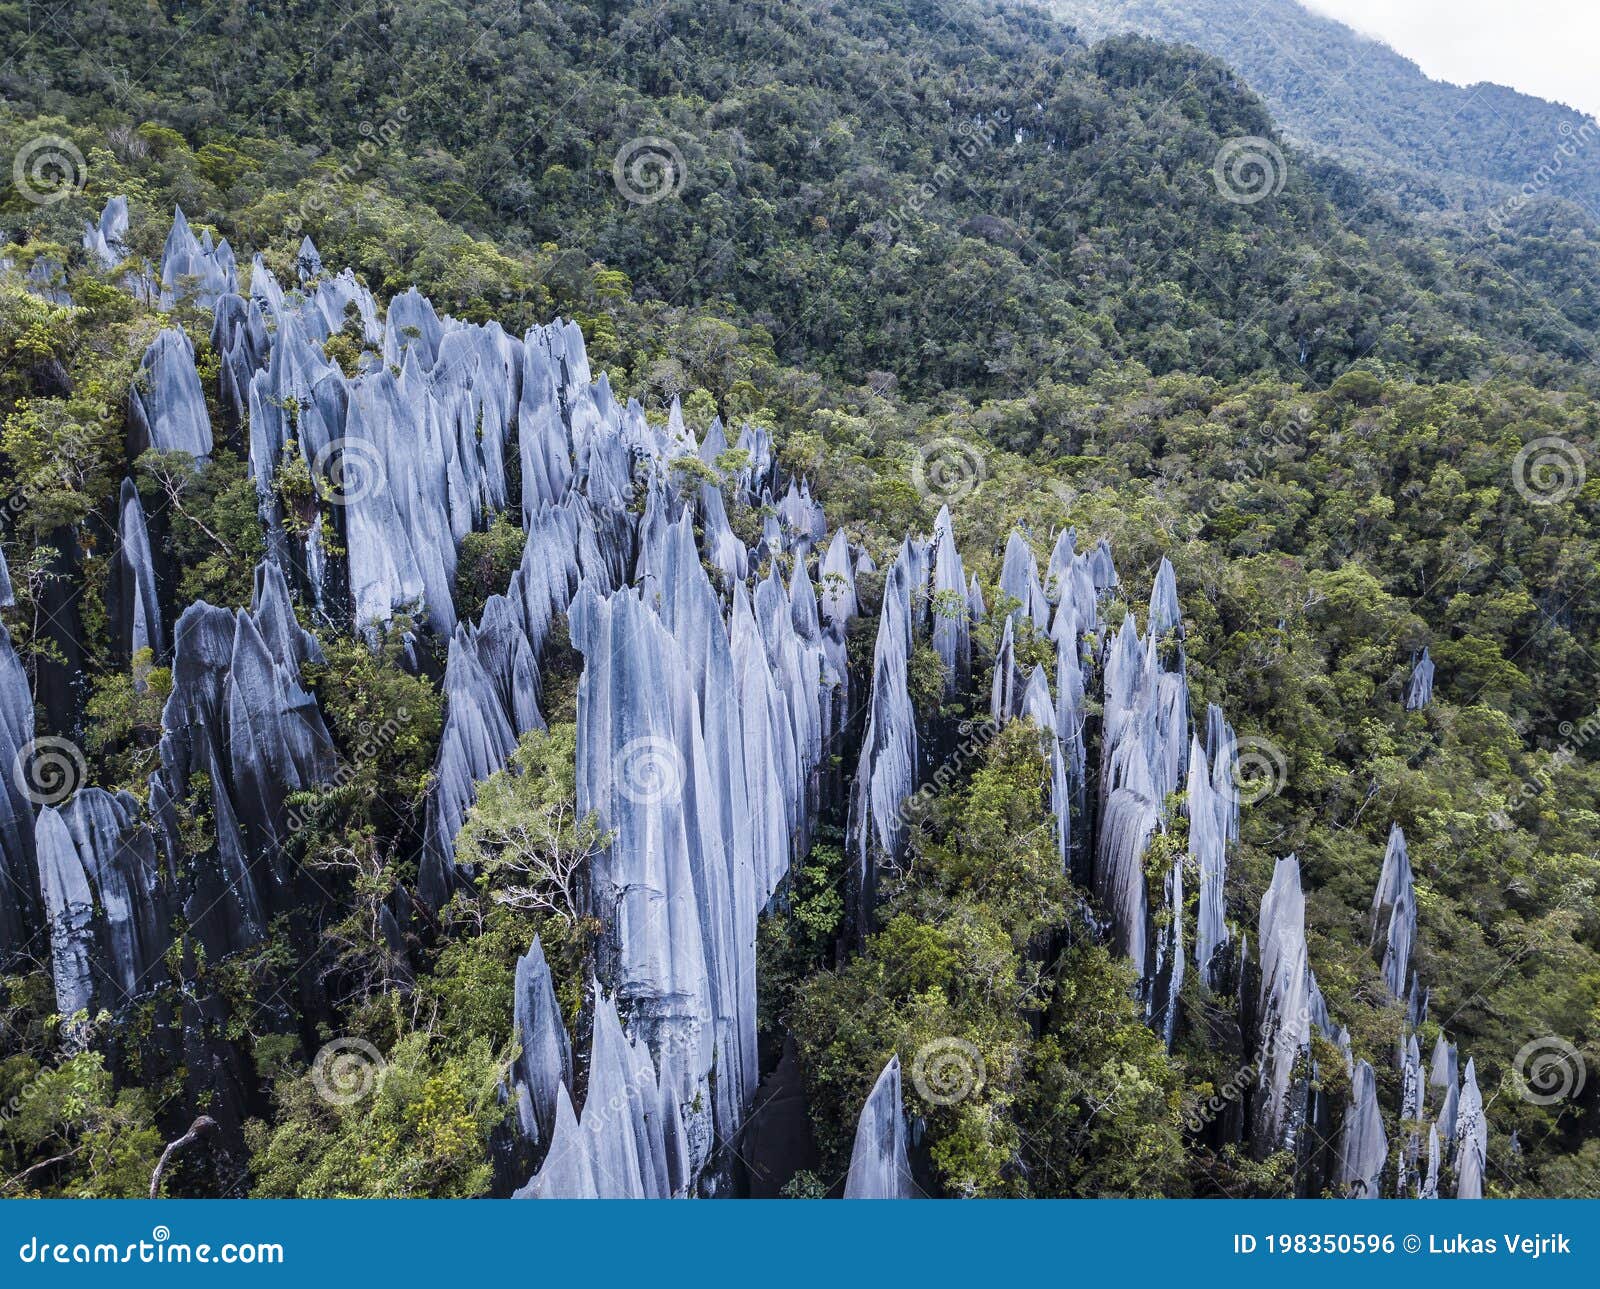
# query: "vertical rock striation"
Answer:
x=879 y=1167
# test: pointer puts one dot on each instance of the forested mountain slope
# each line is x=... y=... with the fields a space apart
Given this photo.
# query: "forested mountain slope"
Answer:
x=1354 y=97
x=831 y=156
x=342 y=612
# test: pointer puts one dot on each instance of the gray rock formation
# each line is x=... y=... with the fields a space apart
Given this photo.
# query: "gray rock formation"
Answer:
x=952 y=639
x=1207 y=810
x=106 y=242
x=20 y=911
x=1019 y=582
x=166 y=407
x=543 y=1069
x=192 y=266
x=1363 y=1146
x=138 y=607
x=629 y=1143
x=239 y=736
x=69 y=910
x=1472 y=1138
x=1419 y=689
x=106 y=901
x=1284 y=1008
x=879 y=1167
x=887 y=773
x=1394 y=912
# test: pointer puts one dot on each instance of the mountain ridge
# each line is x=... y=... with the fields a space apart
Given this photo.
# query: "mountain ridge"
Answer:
x=1334 y=87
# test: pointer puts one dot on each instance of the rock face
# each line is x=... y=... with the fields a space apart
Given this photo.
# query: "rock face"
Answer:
x=1285 y=1008
x=879 y=1167
x=193 y=266
x=166 y=408
x=543 y=1071
x=410 y=453
x=1144 y=757
x=105 y=901
x=887 y=773
x=1363 y=1147
x=1472 y=1138
x=239 y=736
x=20 y=911
x=107 y=241
x=138 y=606
x=1212 y=805
x=630 y=1142
x=1419 y=690
x=1394 y=912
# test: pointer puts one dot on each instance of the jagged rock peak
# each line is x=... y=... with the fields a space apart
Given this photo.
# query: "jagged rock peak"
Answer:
x=1419 y=689
x=1285 y=1004
x=20 y=911
x=1394 y=912
x=543 y=1069
x=107 y=241
x=166 y=407
x=193 y=266
x=138 y=607
x=629 y=1143
x=880 y=1167
x=1363 y=1145
x=1472 y=1137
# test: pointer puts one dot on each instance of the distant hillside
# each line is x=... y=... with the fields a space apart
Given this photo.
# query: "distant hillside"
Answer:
x=1330 y=87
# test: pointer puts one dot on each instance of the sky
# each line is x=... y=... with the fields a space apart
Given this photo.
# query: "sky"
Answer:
x=1550 y=48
